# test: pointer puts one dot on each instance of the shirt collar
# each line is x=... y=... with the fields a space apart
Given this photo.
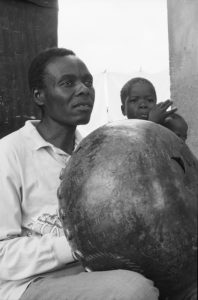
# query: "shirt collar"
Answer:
x=39 y=141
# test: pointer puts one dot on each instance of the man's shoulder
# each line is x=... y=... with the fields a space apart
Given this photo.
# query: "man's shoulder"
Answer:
x=12 y=142
x=20 y=139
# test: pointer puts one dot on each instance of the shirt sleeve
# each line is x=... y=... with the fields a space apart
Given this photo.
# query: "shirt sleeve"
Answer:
x=23 y=256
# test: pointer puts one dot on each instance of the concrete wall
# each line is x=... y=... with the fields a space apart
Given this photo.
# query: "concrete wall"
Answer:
x=26 y=27
x=183 y=49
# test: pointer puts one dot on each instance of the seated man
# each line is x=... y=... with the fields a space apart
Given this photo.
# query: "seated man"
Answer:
x=36 y=261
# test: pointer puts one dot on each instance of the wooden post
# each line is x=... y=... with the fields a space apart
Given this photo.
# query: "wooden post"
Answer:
x=26 y=28
x=183 y=49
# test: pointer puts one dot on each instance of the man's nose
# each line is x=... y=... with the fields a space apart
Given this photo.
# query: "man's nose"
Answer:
x=82 y=89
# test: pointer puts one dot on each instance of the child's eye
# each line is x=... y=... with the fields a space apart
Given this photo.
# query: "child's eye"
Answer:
x=150 y=100
x=133 y=100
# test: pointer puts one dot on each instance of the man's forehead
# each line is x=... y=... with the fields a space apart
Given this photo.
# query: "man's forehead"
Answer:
x=69 y=64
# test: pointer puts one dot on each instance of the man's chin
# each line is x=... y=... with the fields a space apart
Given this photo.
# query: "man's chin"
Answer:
x=84 y=120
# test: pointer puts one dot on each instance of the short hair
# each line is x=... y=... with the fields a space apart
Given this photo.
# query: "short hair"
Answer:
x=127 y=86
x=37 y=67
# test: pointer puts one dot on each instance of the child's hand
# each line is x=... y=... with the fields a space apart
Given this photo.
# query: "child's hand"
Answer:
x=159 y=112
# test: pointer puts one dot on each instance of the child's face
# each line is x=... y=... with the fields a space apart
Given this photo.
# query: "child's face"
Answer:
x=140 y=101
x=178 y=127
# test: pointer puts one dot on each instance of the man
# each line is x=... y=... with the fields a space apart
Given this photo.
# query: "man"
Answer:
x=35 y=258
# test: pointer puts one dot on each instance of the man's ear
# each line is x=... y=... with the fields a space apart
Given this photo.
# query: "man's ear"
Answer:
x=123 y=110
x=38 y=96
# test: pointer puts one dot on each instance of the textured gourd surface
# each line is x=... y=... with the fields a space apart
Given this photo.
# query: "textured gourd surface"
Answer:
x=128 y=200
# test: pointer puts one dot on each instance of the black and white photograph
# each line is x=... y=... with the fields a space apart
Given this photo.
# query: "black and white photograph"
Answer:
x=98 y=149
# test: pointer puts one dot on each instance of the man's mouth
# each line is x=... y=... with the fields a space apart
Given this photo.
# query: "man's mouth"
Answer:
x=83 y=106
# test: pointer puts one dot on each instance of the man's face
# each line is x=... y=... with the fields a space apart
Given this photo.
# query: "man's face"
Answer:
x=140 y=101
x=68 y=94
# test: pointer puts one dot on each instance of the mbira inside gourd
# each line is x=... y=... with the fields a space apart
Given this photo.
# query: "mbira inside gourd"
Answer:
x=128 y=200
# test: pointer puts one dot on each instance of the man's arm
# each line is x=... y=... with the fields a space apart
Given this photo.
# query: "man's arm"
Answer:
x=23 y=256
x=28 y=256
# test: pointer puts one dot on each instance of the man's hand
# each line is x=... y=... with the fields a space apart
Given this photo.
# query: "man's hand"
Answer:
x=159 y=112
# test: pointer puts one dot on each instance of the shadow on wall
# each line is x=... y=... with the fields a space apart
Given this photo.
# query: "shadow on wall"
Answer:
x=24 y=31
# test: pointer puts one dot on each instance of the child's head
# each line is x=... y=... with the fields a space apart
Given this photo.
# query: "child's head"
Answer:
x=138 y=97
x=178 y=125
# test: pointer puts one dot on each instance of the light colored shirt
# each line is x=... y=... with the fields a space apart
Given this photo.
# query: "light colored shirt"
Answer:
x=31 y=236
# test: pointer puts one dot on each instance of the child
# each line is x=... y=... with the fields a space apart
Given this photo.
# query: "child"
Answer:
x=139 y=101
x=178 y=125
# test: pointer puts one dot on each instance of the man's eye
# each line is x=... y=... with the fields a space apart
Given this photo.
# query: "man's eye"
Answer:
x=67 y=83
x=88 y=82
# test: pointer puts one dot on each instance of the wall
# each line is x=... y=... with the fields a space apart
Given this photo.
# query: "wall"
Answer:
x=26 y=27
x=183 y=52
